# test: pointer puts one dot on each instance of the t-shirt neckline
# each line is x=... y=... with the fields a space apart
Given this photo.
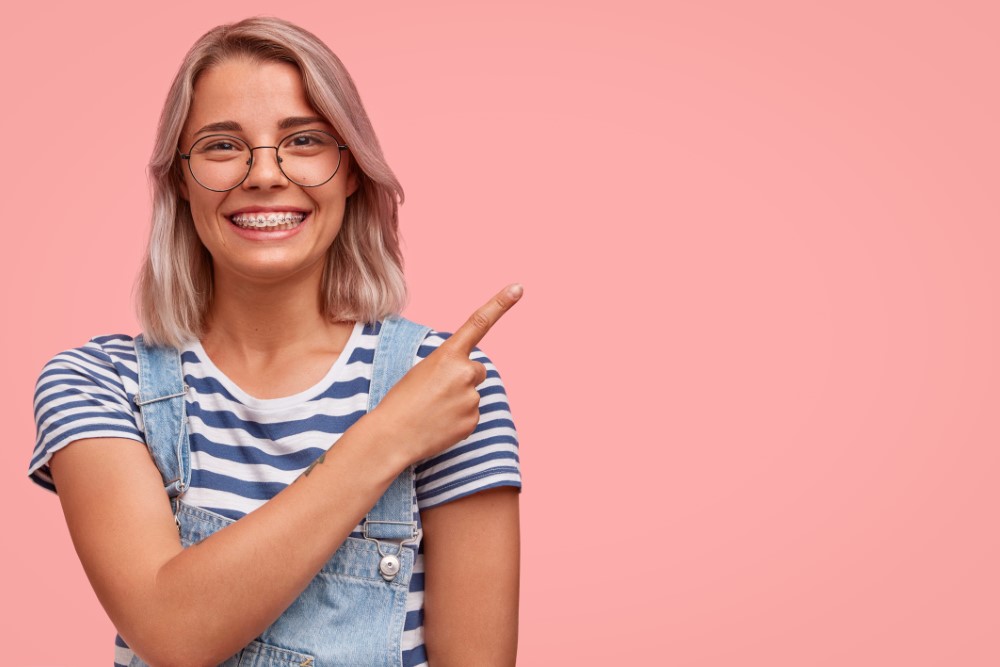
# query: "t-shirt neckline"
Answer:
x=283 y=401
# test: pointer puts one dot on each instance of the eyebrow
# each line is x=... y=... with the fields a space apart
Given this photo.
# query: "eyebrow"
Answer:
x=224 y=126
x=284 y=124
x=297 y=121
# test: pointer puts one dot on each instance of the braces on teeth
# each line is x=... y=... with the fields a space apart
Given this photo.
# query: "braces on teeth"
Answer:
x=267 y=220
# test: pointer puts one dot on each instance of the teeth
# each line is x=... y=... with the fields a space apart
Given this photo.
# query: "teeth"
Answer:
x=285 y=220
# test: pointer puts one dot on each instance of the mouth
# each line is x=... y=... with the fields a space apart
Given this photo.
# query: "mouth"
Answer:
x=268 y=221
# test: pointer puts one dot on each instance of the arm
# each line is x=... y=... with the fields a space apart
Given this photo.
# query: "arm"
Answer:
x=200 y=605
x=472 y=568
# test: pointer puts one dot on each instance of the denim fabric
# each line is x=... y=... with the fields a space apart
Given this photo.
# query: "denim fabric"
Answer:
x=161 y=404
x=350 y=614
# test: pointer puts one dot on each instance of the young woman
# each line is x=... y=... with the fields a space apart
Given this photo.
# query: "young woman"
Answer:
x=273 y=272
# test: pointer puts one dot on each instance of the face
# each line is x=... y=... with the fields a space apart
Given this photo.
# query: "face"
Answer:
x=267 y=229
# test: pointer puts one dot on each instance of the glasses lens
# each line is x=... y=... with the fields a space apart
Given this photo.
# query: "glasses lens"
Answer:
x=219 y=162
x=309 y=158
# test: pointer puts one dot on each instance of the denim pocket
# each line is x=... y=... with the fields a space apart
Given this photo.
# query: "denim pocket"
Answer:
x=262 y=655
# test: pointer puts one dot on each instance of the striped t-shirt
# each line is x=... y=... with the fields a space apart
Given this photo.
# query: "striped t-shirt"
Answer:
x=244 y=450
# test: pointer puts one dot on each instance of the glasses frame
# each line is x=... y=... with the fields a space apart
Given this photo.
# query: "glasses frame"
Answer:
x=187 y=156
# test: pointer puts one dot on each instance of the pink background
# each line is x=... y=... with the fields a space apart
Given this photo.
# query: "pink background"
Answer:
x=757 y=366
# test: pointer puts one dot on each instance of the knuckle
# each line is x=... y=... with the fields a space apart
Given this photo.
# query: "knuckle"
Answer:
x=470 y=374
x=471 y=422
x=480 y=320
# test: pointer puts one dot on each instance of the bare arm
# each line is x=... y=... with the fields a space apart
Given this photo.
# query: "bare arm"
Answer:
x=472 y=569
x=200 y=605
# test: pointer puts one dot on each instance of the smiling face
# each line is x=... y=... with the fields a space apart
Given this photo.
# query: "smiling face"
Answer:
x=268 y=228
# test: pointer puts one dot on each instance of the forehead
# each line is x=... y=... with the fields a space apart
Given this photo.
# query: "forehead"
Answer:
x=256 y=95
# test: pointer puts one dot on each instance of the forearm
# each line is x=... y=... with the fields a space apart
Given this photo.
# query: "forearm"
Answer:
x=202 y=604
x=224 y=591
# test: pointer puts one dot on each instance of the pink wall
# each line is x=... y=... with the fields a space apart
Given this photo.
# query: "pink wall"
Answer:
x=756 y=370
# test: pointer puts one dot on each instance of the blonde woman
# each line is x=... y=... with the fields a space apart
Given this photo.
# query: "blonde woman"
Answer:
x=235 y=490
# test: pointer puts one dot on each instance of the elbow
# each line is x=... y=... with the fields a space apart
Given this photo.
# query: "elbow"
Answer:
x=171 y=630
x=173 y=644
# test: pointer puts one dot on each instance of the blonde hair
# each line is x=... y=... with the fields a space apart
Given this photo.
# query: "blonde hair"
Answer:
x=363 y=277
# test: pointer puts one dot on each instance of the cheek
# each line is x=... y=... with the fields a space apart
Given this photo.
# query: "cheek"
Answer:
x=205 y=205
x=208 y=222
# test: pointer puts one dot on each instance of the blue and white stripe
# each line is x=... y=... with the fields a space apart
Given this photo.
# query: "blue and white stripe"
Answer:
x=244 y=450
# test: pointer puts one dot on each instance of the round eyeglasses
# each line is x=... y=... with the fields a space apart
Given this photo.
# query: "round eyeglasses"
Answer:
x=220 y=162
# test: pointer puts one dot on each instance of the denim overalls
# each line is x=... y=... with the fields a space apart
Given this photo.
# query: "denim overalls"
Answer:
x=352 y=613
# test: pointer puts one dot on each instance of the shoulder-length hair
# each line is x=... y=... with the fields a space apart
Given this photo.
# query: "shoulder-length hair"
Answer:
x=363 y=277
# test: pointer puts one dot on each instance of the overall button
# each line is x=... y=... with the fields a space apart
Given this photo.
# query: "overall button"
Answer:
x=388 y=567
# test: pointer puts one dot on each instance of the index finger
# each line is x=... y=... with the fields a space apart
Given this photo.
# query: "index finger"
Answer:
x=481 y=321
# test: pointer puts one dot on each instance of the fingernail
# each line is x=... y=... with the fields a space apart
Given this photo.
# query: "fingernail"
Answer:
x=515 y=291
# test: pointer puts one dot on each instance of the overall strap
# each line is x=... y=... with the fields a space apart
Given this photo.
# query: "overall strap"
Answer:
x=161 y=402
x=392 y=516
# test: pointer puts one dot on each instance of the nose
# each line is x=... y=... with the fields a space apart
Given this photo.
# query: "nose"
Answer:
x=265 y=171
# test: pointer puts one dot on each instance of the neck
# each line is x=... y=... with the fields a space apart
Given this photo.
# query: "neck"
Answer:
x=253 y=320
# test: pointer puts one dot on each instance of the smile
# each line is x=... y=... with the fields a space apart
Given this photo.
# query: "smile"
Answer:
x=276 y=221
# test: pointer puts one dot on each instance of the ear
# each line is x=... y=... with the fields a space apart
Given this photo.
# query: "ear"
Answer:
x=352 y=176
x=352 y=183
x=182 y=185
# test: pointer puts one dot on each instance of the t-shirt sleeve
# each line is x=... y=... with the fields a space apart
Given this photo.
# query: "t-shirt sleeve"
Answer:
x=487 y=458
x=80 y=394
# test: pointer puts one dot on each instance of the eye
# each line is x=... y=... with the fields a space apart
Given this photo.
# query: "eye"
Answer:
x=307 y=144
x=219 y=147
